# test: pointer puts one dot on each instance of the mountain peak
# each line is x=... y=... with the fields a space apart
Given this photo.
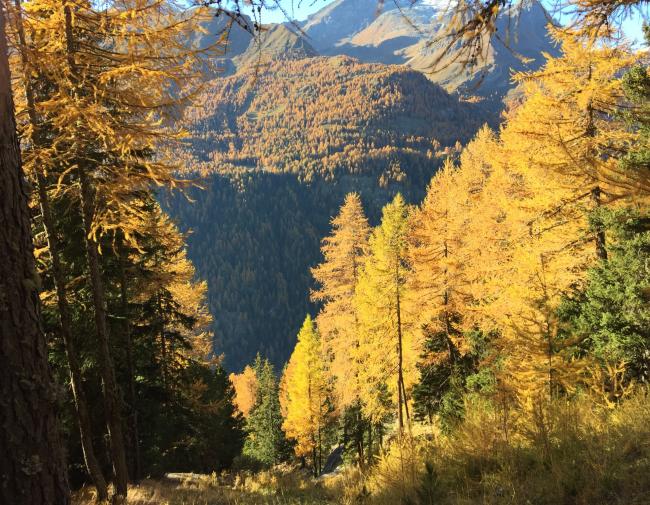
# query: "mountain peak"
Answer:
x=277 y=42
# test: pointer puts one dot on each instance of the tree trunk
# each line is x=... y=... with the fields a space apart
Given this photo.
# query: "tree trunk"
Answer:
x=76 y=380
x=320 y=453
x=401 y=392
x=163 y=339
x=601 y=249
x=358 y=435
x=136 y=463
x=32 y=464
x=369 y=443
x=106 y=368
x=81 y=406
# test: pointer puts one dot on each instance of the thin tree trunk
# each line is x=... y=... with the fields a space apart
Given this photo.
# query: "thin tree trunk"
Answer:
x=358 y=434
x=163 y=354
x=76 y=381
x=320 y=452
x=136 y=464
x=400 y=377
x=406 y=405
x=107 y=370
x=369 y=443
x=163 y=339
x=601 y=249
x=32 y=463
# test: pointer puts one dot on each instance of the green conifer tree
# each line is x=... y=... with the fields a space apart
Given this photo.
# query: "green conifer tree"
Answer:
x=265 y=440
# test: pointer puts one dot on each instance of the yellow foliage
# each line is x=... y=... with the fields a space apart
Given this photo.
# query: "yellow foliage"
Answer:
x=100 y=90
x=307 y=400
x=502 y=238
x=245 y=385
x=337 y=276
x=388 y=352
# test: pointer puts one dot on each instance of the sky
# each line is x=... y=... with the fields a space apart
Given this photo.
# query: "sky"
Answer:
x=300 y=9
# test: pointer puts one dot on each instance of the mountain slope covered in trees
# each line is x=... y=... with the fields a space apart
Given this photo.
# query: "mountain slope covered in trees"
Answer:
x=326 y=117
x=277 y=151
x=297 y=120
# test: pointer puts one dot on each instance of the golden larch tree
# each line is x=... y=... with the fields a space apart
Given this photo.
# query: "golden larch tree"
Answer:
x=387 y=350
x=245 y=384
x=307 y=403
x=337 y=277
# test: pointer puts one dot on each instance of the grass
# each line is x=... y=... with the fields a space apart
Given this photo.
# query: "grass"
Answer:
x=281 y=486
x=560 y=453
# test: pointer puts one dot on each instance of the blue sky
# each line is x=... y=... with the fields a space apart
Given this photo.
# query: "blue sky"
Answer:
x=299 y=10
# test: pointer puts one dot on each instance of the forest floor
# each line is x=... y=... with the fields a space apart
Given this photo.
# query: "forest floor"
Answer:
x=265 y=488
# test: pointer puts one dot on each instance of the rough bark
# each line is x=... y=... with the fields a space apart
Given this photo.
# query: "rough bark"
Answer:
x=58 y=273
x=32 y=464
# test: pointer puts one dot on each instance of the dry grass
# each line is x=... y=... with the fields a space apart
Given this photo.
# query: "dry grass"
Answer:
x=281 y=486
x=561 y=454
x=565 y=453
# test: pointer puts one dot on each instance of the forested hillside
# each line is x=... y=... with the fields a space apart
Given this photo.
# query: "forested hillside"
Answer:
x=327 y=117
x=277 y=151
x=429 y=303
x=331 y=124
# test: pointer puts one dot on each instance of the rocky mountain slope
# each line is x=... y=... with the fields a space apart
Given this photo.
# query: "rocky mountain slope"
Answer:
x=410 y=36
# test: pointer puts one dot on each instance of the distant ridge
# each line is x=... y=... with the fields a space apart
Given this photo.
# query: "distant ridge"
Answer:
x=278 y=42
x=398 y=37
x=327 y=116
x=405 y=37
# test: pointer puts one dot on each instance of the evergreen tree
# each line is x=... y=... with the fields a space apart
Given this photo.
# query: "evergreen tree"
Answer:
x=610 y=316
x=265 y=440
x=636 y=87
x=441 y=384
x=201 y=431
